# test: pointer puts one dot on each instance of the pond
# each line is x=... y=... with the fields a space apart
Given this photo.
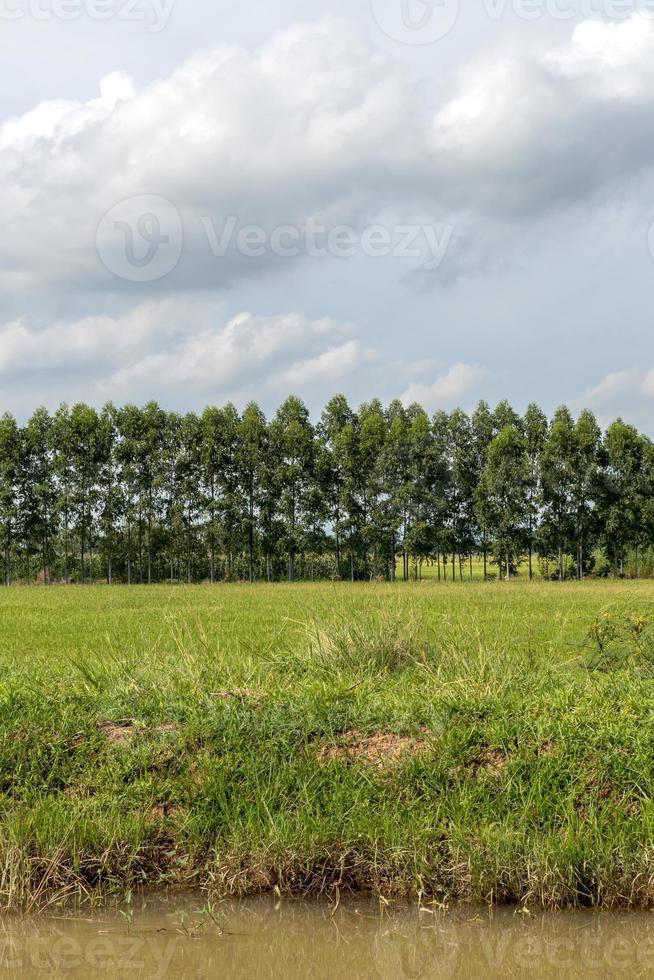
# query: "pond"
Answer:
x=165 y=938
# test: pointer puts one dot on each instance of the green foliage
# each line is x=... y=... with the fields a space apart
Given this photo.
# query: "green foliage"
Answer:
x=140 y=495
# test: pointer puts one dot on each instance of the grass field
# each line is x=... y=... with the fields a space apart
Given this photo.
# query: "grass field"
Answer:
x=453 y=739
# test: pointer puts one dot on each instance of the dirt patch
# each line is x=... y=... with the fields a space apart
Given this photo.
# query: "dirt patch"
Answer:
x=119 y=731
x=490 y=760
x=381 y=749
x=161 y=811
x=244 y=692
x=125 y=729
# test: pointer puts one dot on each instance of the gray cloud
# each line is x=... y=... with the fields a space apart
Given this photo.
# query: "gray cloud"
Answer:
x=316 y=124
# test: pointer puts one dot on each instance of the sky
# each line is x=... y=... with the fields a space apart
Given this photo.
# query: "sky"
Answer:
x=431 y=200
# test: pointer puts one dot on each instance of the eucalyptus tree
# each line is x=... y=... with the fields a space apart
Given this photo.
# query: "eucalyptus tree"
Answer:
x=645 y=531
x=372 y=433
x=170 y=492
x=62 y=441
x=218 y=446
x=250 y=461
x=423 y=483
x=128 y=425
x=622 y=499
x=557 y=476
x=352 y=515
x=110 y=497
x=534 y=426
x=332 y=468
x=461 y=455
x=502 y=495
x=39 y=492
x=142 y=438
x=482 y=425
x=86 y=449
x=444 y=502
x=585 y=487
x=189 y=474
x=292 y=444
x=10 y=454
x=391 y=505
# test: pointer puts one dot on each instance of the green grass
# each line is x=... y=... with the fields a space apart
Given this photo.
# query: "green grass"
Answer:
x=534 y=781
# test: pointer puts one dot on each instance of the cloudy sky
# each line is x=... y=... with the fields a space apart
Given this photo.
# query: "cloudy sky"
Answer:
x=206 y=200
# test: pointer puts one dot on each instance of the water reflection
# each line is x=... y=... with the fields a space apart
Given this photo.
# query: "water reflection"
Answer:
x=169 y=938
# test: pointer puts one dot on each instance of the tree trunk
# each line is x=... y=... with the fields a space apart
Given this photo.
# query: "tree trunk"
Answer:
x=149 y=548
x=140 y=551
x=212 y=569
x=251 y=541
x=66 y=546
x=338 y=545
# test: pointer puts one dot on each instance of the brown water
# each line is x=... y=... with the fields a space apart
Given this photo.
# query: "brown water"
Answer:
x=166 y=939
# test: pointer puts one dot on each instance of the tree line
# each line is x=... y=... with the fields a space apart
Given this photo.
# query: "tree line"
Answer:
x=140 y=495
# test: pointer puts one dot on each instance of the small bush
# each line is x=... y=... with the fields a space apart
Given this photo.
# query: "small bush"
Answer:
x=622 y=639
x=384 y=641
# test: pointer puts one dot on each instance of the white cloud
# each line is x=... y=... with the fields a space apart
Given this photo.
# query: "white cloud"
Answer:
x=330 y=366
x=447 y=390
x=618 y=393
x=317 y=123
x=249 y=351
x=175 y=350
x=187 y=354
x=615 y=383
x=73 y=346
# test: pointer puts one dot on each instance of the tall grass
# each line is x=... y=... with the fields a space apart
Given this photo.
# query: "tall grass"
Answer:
x=196 y=735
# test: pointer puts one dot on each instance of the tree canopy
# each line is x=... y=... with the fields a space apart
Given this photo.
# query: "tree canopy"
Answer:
x=140 y=495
